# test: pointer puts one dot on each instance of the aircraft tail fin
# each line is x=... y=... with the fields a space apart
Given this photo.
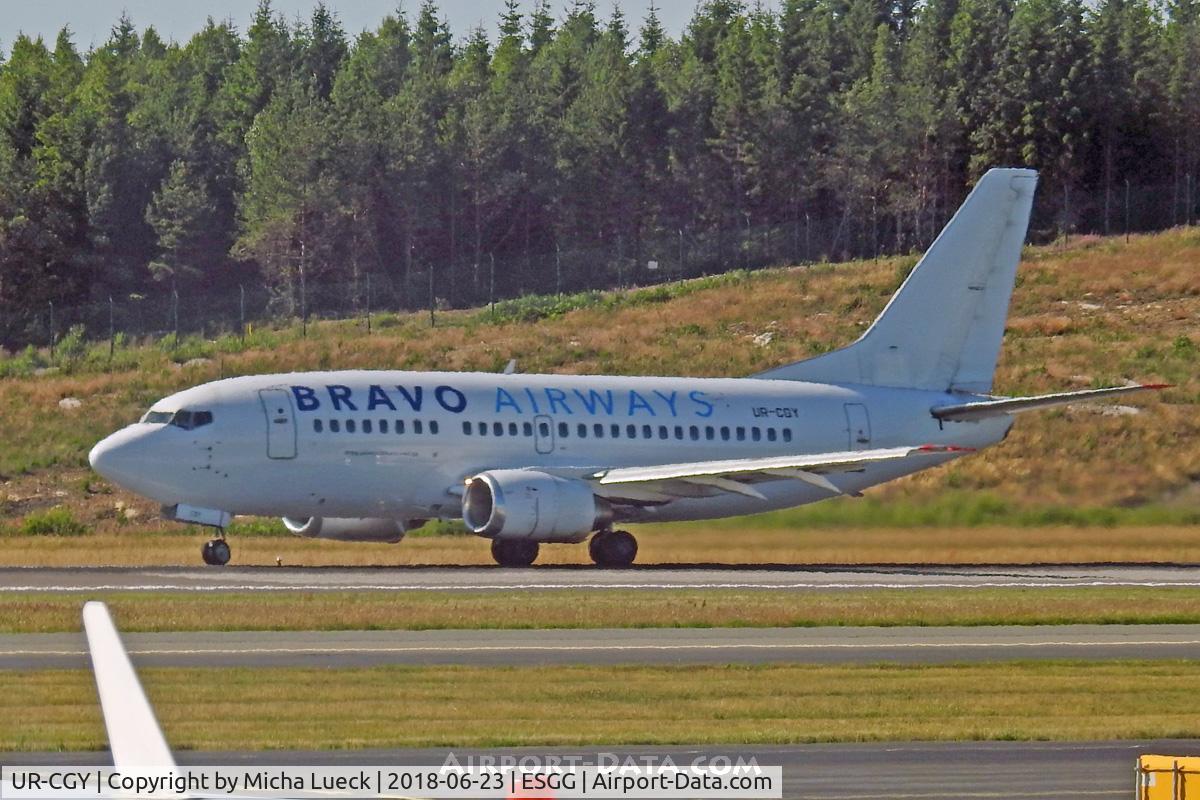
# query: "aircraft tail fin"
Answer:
x=134 y=736
x=943 y=328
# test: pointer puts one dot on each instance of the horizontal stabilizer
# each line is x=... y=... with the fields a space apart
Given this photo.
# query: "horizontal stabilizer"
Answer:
x=967 y=412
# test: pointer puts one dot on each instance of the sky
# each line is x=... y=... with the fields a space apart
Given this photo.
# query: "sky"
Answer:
x=91 y=20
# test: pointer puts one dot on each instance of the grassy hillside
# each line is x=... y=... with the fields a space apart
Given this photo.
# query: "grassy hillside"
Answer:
x=1092 y=313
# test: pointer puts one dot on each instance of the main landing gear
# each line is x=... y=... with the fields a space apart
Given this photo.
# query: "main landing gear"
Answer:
x=215 y=552
x=514 y=552
x=613 y=548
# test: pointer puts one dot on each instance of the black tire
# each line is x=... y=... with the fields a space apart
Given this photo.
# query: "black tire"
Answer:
x=613 y=548
x=216 y=552
x=514 y=552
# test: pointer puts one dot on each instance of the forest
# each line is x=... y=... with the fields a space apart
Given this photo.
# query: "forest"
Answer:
x=319 y=171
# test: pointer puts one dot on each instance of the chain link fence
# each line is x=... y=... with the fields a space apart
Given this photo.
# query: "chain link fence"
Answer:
x=858 y=232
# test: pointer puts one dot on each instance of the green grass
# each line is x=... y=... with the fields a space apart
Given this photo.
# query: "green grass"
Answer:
x=413 y=610
x=454 y=706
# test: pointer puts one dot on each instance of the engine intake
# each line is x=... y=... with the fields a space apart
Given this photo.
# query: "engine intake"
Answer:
x=526 y=504
x=347 y=529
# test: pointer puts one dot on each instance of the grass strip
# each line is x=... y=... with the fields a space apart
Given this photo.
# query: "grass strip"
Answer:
x=258 y=709
x=757 y=540
x=607 y=608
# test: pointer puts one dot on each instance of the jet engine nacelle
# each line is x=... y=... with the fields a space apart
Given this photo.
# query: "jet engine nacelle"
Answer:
x=365 y=529
x=526 y=504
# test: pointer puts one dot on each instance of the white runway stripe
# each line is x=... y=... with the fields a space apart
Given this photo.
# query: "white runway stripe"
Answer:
x=202 y=651
x=383 y=587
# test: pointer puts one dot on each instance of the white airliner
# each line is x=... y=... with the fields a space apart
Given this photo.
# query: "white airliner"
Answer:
x=530 y=459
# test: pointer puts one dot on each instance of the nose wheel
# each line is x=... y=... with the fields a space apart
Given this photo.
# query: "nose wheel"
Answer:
x=613 y=548
x=514 y=552
x=215 y=552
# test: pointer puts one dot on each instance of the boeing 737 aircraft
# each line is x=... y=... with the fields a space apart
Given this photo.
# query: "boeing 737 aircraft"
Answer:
x=526 y=460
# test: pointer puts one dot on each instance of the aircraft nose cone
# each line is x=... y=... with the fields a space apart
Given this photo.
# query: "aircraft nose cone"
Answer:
x=115 y=456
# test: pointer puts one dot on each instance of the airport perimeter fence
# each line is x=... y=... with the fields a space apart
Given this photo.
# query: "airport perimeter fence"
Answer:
x=805 y=239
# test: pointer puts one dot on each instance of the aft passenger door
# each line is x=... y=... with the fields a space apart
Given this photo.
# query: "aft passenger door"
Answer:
x=281 y=422
x=858 y=426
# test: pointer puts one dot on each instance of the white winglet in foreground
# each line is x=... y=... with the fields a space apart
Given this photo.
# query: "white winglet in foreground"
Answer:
x=134 y=735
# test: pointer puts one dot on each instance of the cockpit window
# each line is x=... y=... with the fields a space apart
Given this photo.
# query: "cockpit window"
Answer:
x=188 y=420
x=191 y=419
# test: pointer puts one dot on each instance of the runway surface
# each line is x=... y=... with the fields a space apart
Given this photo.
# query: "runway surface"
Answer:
x=85 y=580
x=858 y=645
x=929 y=771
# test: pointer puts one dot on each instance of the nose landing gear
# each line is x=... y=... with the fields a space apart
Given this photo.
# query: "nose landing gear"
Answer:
x=215 y=552
x=611 y=548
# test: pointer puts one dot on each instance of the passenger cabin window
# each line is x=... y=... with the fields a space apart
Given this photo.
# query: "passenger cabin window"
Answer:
x=512 y=429
x=334 y=426
x=755 y=434
x=433 y=427
x=598 y=429
x=563 y=429
x=770 y=434
x=399 y=427
x=317 y=426
x=498 y=428
x=366 y=426
x=467 y=428
x=543 y=429
x=582 y=431
x=417 y=426
x=349 y=426
x=528 y=429
x=787 y=434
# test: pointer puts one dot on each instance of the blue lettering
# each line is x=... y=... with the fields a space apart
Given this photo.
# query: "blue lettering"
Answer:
x=413 y=399
x=669 y=399
x=339 y=395
x=594 y=399
x=506 y=400
x=459 y=399
x=697 y=397
x=533 y=401
x=558 y=397
x=306 y=398
x=378 y=397
x=636 y=401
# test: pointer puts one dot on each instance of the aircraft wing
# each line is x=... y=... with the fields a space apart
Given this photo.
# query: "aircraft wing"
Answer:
x=701 y=478
x=982 y=409
x=134 y=736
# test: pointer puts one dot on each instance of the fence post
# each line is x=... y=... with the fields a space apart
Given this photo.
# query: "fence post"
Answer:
x=807 y=238
x=175 y=313
x=242 y=311
x=557 y=268
x=682 y=260
x=112 y=330
x=53 y=331
x=492 y=286
x=432 y=299
x=1127 y=211
x=368 y=302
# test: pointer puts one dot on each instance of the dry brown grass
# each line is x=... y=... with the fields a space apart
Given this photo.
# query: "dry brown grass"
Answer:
x=409 y=610
x=698 y=543
x=257 y=709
